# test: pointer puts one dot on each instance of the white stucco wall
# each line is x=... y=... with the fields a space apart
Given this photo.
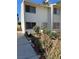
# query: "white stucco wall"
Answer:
x=41 y=16
x=57 y=18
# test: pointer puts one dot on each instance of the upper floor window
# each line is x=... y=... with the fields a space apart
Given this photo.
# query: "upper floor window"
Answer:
x=30 y=9
x=56 y=11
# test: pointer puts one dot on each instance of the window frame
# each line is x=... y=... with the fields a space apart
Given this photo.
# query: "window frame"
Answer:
x=30 y=25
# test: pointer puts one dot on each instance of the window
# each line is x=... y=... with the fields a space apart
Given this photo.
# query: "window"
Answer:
x=30 y=25
x=56 y=11
x=27 y=9
x=30 y=9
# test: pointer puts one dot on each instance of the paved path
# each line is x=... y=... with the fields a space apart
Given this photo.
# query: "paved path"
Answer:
x=24 y=48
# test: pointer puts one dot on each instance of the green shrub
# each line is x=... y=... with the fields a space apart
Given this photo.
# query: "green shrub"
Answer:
x=36 y=29
x=46 y=31
x=52 y=34
x=49 y=33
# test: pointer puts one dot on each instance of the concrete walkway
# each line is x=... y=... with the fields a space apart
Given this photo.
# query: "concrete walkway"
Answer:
x=24 y=48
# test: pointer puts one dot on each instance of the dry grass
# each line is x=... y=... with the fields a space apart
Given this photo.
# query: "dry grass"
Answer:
x=53 y=52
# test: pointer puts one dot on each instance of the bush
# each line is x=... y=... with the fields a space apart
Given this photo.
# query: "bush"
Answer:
x=46 y=31
x=53 y=35
x=49 y=33
x=36 y=29
x=38 y=44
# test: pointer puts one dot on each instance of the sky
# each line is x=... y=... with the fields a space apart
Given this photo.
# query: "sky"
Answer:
x=34 y=1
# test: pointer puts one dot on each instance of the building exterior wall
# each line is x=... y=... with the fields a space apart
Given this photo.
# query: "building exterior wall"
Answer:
x=40 y=17
x=57 y=18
